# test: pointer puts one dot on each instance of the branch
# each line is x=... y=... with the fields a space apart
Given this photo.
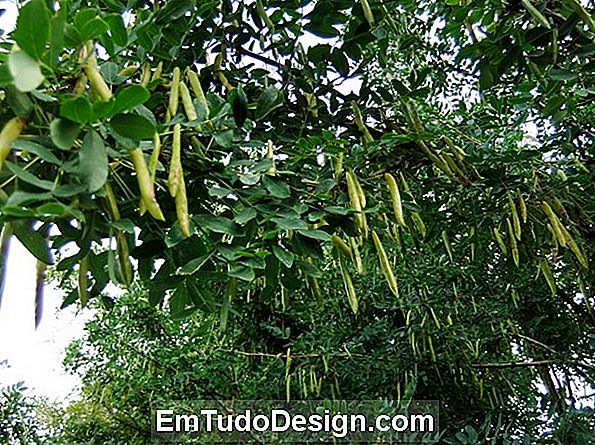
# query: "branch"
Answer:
x=531 y=363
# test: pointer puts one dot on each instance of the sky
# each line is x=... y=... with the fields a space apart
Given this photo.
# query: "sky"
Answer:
x=34 y=356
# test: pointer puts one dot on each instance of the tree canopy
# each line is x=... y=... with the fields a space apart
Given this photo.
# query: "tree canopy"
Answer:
x=412 y=182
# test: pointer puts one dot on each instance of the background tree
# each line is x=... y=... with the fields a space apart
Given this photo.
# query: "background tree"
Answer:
x=213 y=145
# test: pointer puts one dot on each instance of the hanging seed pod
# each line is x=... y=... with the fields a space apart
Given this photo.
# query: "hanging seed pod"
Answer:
x=155 y=155
x=523 y=208
x=341 y=246
x=265 y=18
x=145 y=184
x=395 y=198
x=121 y=241
x=98 y=85
x=175 y=166
x=315 y=289
x=354 y=197
x=198 y=91
x=367 y=12
x=360 y=192
x=555 y=223
x=359 y=121
x=145 y=76
x=174 y=92
x=357 y=259
x=10 y=132
x=339 y=168
x=516 y=222
x=187 y=102
x=448 y=245
x=500 y=241
x=349 y=288
x=513 y=245
x=182 y=207
x=547 y=274
x=419 y=223
x=572 y=245
x=386 y=267
x=158 y=72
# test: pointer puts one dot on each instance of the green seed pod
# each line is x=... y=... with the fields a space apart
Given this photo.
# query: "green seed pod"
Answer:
x=368 y=13
x=145 y=183
x=175 y=167
x=187 y=102
x=174 y=93
x=386 y=267
x=549 y=277
x=448 y=245
x=349 y=288
x=516 y=222
x=513 y=245
x=10 y=132
x=341 y=246
x=395 y=198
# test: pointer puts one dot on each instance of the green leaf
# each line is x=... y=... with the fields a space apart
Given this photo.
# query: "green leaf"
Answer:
x=194 y=265
x=224 y=138
x=33 y=241
x=28 y=177
x=130 y=97
x=89 y=25
x=557 y=74
x=284 y=255
x=64 y=132
x=51 y=209
x=245 y=215
x=218 y=224
x=291 y=223
x=243 y=273
x=554 y=105
x=125 y=225
x=117 y=29
x=78 y=109
x=266 y=102
x=20 y=197
x=278 y=189
x=69 y=190
x=315 y=234
x=240 y=107
x=133 y=126
x=25 y=71
x=93 y=162
x=33 y=28
x=41 y=151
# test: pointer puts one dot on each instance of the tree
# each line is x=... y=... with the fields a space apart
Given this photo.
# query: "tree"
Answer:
x=225 y=161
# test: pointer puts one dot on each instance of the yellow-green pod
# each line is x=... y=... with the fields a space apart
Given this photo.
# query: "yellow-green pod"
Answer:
x=98 y=85
x=155 y=155
x=395 y=198
x=339 y=167
x=175 y=167
x=386 y=267
x=572 y=245
x=182 y=207
x=145 y=76
x=516 y=222
x=10 y=132
x=128 y=71
x=549 y=277
x=359 y=121
x=263 y=15
x=174 y=93
x=538 y=16
x=368 y=12
x=555 y=223
x=357 y=258
x=315 y=289
x=145 y=183
x=419 y=223
x=448 y=245
x=360 y=192
x=349 y=288
x=158 y=72
x=197 y=89
x=187 y=102
x=341 y=246
x=513 y=245
x=523 y=207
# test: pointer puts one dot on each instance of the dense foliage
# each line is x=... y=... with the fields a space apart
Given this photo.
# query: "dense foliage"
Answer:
x=405 y=189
